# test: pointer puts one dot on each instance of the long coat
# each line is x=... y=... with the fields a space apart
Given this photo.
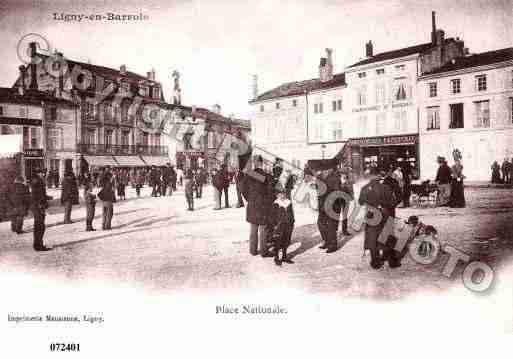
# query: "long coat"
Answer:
x=69 y=189
x=259 y=195
x=19 y=198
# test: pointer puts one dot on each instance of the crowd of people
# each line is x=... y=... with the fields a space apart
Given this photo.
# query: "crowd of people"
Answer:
x=502 y=173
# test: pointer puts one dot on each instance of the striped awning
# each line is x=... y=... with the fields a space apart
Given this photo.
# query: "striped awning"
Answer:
x=155 y=160
x=129 y=161
x=101 y=161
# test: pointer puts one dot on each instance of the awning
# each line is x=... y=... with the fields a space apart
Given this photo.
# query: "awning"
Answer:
x=10 y=145
x=155 y=160
x=101 y=161
x=129 y=161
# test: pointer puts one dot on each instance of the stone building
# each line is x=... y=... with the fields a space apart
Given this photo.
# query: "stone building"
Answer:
x=119 y=110
x=467 y=105
x=45 y=124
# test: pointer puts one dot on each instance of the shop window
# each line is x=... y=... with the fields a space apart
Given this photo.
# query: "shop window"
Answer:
x=481 y=83
x=433 y=118
x=482 y=114
x=456 y=113
x=456 y=86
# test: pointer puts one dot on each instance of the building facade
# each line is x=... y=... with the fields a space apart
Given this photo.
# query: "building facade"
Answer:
x=118 y=111
x=468 y=105
x=45 y=124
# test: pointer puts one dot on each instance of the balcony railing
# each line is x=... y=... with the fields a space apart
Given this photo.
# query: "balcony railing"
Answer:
x=125 y=150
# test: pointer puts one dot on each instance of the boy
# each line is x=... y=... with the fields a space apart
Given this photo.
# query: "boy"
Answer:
x=282 y=225
x=90 y=200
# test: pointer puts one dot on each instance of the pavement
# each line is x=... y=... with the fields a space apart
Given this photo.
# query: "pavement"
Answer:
x=155 y=243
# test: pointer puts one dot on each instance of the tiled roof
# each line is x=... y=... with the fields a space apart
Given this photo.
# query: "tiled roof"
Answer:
x=484 y=58
x=31 y=97
x=302 y=87
x=109 y=74
x=394 y=54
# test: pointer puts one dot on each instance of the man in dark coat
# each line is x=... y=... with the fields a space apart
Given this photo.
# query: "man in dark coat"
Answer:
x=347 y=181
x=165 y=178
x=258 y=191
x=380 y=201
x=226 y=179
x=19 y=198
x=69 y=194
x=406 y=171
x=240 y=200
x=443 y=180
x=39 y=203
x=201 y=179
x=172 y=179
x=154 y=179
x=329 y=208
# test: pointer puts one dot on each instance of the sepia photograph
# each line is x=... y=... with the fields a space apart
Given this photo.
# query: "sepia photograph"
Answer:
x=191 y=178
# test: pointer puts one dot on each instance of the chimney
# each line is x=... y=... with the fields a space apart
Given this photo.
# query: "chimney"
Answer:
x=433 y=28
x=369 y=52
x=254 y=87
x=151 y=75
x=33 y=66
x=122 y=69
x=439 y=37
x=22 y=76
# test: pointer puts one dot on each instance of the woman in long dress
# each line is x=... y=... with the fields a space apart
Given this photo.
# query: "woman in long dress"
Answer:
x=457 y=190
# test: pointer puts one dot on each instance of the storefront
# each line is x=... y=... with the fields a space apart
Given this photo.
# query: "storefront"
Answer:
x=380 y=152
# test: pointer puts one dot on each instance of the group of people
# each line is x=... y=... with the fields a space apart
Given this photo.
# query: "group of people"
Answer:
x=502 y=173
x=449 y=181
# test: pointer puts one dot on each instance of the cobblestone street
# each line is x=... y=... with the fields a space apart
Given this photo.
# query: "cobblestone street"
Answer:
x=157 y=244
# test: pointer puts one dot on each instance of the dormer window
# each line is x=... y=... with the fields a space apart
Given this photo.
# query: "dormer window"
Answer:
x=380 y=71
x=400 y=67
x=277 y=105
x=362 y=75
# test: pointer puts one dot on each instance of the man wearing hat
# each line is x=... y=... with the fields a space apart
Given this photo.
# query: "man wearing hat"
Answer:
x=256 y=187
x=380 y=202
x=39 y=201
x=443 y=180
x=19 y=198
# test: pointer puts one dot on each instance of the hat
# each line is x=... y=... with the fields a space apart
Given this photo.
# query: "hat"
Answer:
x=413 y=220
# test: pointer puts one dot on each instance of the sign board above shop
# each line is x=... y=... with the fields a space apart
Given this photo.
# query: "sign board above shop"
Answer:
x=382 y=107
x=385 y=141
x=33 y=152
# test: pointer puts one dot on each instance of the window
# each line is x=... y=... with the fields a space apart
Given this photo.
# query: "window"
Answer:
x=294 y=103
x=362 y=125
x=143 y=90
x=400 y=123
x=54 y=138
x=481 y=83
x=456 y=86
x=381 y=123
x=433 y=118
x=318 y=108
x=145 y=139
x=361 y=96
x=400 y=92
x=336 y=130
x=156 y=139
x=511 y=109
x=22 y=111
x=261 y=108
x=108 y=138
x=50 y=113
x=99 y=83
x=277 y=105
x=380 y=93
x=336 y=105
x=456 y=113
x=1 y=111
x=400 y=67
x=90 y=136
x=116 y=112
x=26 y=137
x=156 y=92
x=125 y=138
x=380 y=71
x=34 y=137
x=88 y=110
x=482 y=114
x=432 y=89
x=107 y=112
x=362 y=75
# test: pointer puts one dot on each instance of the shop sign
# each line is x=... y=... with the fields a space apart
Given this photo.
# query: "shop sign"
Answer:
x=33 y=152
x=385 y=141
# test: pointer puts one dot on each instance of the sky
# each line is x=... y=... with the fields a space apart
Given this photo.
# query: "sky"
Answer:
x=217 y=45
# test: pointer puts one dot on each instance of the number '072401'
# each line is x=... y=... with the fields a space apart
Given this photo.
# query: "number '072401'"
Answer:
x=65 y=347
